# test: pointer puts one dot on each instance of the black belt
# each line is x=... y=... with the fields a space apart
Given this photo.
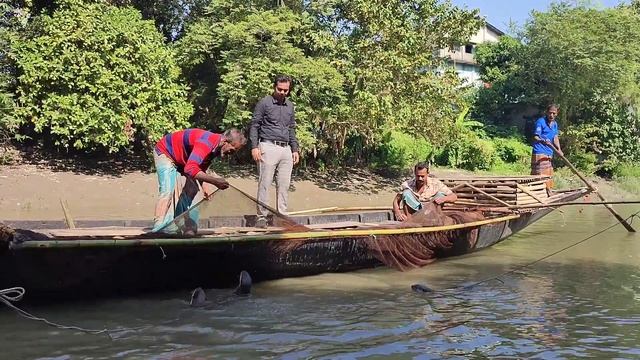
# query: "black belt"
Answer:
x=276 y=142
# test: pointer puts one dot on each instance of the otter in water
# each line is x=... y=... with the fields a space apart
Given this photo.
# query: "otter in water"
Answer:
x=199 y=296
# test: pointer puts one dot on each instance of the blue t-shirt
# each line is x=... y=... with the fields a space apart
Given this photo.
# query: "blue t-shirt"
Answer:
x=545 y=132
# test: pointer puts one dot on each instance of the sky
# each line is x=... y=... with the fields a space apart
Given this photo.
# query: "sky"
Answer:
x=500 y=12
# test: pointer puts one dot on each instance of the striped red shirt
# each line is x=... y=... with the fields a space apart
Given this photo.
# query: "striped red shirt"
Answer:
x=191 y=149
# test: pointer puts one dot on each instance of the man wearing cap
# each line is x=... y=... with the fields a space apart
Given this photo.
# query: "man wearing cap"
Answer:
x=274 y=144
x=182 y=159
x=419 y=190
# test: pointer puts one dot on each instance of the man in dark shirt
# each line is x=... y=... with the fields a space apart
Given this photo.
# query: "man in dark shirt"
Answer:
x=274 y=144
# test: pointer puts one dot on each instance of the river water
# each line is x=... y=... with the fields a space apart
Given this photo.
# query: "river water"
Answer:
x=584 y=301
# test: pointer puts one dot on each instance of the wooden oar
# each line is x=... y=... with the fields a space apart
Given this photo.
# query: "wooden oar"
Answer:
x=592 y=188
x=255 y=200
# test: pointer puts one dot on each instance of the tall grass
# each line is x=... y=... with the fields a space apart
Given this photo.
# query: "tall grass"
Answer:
x=627 y=177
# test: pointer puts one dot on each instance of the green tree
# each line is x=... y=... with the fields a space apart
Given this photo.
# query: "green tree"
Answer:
x=93 y=76
x=585 y=59
x=574 y=53
x=170 y=16
x=12 y=20
x=232 y=54
x=361 y=68
x=387 y=51
x=500 y=71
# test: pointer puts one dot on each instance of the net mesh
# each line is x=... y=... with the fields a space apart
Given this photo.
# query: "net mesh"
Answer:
x=412 y=250
x=407 y=251
x=235 y=209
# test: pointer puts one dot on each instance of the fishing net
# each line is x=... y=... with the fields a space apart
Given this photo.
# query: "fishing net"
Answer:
x=228 y=211
x=404 y=251
x=412 y=250
x=234 y=211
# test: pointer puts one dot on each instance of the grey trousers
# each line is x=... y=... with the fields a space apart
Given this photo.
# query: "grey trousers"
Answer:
x=274 y=159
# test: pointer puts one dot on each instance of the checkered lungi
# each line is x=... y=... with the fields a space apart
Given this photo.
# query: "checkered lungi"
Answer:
x=542 y=165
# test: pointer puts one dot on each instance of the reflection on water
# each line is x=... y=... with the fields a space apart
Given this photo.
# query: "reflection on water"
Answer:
x=582 y=302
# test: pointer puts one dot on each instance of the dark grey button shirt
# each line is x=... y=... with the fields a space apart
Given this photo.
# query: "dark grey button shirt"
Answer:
x=273 y=121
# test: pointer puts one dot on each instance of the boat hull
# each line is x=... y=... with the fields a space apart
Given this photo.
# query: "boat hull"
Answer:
x=84 y=272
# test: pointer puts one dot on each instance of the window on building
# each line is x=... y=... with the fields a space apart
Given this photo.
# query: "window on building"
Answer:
x=468 y=48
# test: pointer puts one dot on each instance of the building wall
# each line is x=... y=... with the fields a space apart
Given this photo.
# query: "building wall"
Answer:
x=463 y=57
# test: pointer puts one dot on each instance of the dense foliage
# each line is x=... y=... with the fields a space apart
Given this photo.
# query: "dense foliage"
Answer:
x=9 y=20
x=93 y=77
x=586 y=60
x=361 y=68
x=369 y=85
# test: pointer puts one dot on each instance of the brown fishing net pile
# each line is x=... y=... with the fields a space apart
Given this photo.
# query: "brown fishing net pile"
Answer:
x=410 y=250
x=407 y=251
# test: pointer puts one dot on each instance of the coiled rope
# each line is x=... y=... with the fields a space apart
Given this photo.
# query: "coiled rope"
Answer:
x=15 y=294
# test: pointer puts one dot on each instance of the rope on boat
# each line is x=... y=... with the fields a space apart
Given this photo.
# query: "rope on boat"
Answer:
x=15 y=294
x=518 y=268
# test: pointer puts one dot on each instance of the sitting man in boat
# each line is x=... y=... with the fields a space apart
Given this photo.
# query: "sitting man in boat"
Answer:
x=420 y=190
x=182 y=159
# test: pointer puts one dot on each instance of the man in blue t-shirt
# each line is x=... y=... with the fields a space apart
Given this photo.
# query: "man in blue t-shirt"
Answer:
x=545 y=137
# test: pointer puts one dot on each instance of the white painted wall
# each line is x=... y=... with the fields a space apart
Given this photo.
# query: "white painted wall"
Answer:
x=464 y=62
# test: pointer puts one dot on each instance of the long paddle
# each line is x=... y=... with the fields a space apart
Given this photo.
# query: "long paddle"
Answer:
x=592 y=188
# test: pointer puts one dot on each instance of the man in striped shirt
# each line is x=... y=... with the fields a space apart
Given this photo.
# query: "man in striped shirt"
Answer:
x=182 y=159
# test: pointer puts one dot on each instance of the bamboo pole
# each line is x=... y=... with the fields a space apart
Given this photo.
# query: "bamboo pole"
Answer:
x=319 y=235
x=490 y=196
x=530 y=193
x=256 y=200
x=67 y=215
x=317 y=210
x=536 y=206
x=592 y=188
x=339 y=209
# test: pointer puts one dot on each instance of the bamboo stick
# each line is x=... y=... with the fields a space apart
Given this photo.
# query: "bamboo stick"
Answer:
x=499 y=190
x=479 y=202
x=453 y=207
x=339 y=209
x=494 y=178
x=473 y=195
x=319 y=235
x=592 y=188
x=536 y=206
x=490 y=196
x=67 y=215
x=484 y=183
x=308 y=211
x=489 y=190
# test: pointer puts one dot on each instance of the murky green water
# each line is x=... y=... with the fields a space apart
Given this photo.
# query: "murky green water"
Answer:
x=582 y=302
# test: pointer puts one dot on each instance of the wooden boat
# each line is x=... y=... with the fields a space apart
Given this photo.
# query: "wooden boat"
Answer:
x=113 y=258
